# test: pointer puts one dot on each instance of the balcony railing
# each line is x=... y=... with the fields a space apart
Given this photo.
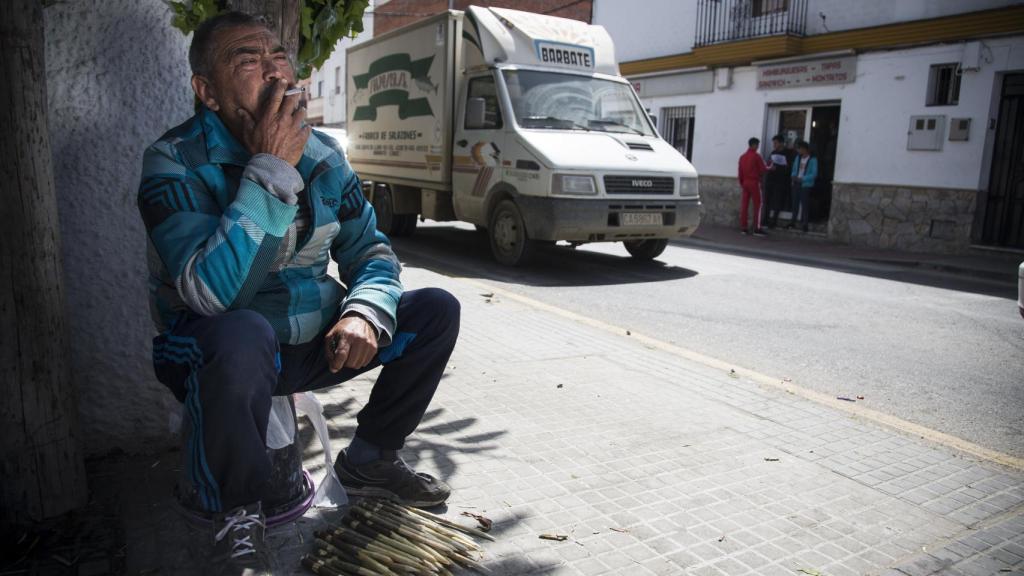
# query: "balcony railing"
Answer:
x=721 y=21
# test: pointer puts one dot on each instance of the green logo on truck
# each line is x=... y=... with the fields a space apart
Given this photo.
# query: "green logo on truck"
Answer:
x=387 y=82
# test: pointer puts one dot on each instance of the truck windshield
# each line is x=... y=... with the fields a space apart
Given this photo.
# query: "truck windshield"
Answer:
x=569 y=102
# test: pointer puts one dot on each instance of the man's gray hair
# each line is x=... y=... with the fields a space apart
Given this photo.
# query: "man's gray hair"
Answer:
x=200 y=53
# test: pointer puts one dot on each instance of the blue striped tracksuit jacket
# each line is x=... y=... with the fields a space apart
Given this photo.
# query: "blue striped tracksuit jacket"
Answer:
x=242 y=299
x=221 y=242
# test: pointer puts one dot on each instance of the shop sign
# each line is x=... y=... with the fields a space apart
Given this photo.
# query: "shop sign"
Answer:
x=813 y=73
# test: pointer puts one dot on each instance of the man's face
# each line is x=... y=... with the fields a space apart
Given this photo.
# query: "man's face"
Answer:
x=776 y=145
x=247 y=61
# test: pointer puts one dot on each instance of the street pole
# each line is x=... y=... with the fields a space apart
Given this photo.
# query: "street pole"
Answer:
x=40 y=462
x=282 y=17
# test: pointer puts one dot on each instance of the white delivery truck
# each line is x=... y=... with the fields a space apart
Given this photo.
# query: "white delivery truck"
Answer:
x=519 y=124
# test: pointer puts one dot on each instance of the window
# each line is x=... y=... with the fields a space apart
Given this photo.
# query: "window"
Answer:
x=944 y=85
x=765 y=7
x=337 y=79
x=677 y=128
x=319 y=88
x=483 y=87
x=557 y=101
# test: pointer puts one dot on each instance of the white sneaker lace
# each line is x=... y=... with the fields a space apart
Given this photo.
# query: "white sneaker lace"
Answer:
x=240 y=521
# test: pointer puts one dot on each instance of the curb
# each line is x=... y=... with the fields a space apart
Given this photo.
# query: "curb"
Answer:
x=853 y=263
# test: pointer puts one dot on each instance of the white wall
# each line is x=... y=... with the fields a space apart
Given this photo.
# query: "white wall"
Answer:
x=334 y=104
x=847 y=15
x=117 y=77
x=875 y=115
x=647 y=29
x=655 y=28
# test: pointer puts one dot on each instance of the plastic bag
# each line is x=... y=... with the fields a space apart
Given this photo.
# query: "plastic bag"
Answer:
x=330 y=492
x=281 y=424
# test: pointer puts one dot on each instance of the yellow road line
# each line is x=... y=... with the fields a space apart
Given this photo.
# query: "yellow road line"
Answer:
x=852 y=408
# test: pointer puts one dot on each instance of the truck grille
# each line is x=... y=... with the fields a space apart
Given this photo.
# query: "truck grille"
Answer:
x=639 y=185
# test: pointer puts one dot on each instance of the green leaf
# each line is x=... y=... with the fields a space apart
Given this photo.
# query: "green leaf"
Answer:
x=322 y=23
x=306 y=22
x=188 y=18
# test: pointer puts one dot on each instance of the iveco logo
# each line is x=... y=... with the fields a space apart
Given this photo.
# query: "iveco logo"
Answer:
x=643 y=183
x=631 y=157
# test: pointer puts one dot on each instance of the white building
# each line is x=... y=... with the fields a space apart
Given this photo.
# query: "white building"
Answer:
x=913 y=107
x=327 y=84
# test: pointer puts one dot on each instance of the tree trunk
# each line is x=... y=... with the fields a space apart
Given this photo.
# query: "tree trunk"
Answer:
x=282 y=17
x=40 y=463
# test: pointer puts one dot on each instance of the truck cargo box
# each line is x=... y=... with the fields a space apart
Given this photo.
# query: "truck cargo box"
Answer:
x=399 y=108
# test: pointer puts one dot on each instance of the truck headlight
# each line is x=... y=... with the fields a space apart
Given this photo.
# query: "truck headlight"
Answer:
x=574 y=185
x=688 y=187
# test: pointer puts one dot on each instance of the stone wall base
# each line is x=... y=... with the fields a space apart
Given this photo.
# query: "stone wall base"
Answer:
x=720 y=201
x=936 y=220
x=931 y=220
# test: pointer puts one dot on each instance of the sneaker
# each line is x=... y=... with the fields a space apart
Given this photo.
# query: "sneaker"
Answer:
x=744 y=232
x=759 y=233
x=238 y=545
x=391 y=478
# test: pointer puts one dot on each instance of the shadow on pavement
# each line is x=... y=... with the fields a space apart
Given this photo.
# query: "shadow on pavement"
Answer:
x=458 y=251
x=145 y=533
x=436 y=440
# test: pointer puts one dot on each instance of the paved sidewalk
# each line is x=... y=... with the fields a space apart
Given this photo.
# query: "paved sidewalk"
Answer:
x=648 y=462
x=994 y=267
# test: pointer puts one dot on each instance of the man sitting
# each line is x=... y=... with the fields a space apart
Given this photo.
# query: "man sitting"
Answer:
x=244 y=204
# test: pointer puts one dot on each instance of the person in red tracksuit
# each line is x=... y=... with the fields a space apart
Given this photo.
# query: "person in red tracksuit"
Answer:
x=751 y=169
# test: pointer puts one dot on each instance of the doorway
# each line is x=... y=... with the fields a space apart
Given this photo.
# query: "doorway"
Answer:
x=1004 y=206
x=817 y=124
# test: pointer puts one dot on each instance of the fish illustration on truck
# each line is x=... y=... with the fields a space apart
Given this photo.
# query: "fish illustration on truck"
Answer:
x=518 y=123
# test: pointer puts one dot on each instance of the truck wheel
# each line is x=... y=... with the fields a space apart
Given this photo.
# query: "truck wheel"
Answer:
x=387 y=221
x=403 y=224
x=509 y=242
x=646 y=249
x=385 y=209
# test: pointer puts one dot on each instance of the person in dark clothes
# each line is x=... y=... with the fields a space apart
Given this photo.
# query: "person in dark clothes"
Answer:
x=777 y=181
x=751 y=170
x=804 y=173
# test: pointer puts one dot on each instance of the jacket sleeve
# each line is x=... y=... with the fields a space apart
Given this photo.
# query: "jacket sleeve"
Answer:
x=739 y=170
x=811 y=175
x=366 y=263
x=795 y=170
x=217 y=258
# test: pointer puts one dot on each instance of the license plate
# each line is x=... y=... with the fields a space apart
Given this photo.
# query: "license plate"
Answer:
x=640 y=219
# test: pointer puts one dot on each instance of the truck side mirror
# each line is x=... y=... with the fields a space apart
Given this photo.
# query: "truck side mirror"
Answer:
x=475 y=113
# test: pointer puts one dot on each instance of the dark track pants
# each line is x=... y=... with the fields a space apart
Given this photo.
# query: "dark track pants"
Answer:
x=776 y=194
x=226 y=368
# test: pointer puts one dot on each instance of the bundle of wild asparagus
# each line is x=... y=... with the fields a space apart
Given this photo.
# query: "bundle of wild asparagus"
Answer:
x=381 y=538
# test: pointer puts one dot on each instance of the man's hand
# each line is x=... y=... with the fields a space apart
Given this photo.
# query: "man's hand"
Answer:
x=279 y=130
x=351 y=343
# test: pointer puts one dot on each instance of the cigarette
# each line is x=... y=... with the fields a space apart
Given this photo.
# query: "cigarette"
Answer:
x=296 y=90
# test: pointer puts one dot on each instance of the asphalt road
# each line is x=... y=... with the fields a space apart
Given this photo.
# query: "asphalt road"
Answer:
x=936 y=350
